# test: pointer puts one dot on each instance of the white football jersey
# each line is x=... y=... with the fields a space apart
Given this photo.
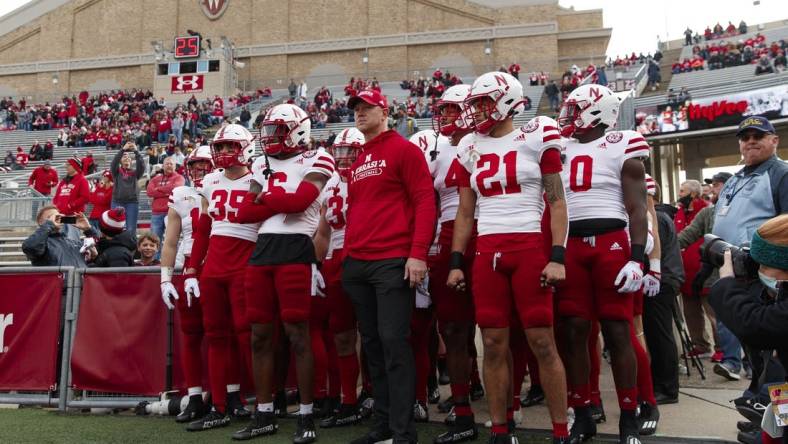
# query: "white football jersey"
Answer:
x=445 y=170
x=186 y=201
x=288 y=175
x=335 y=199
x=592 y=175
x=506 y=176
x=224 y=198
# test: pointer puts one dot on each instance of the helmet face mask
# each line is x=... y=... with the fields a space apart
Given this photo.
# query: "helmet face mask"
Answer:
x=447 y=118
x=227 y=154
x=274 y=138
x=346 y=148
x=197 y=169
x=484 y=113
x=285 y=130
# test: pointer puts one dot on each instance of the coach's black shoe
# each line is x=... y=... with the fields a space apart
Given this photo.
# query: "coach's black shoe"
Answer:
x=345 y=415
x=534 y=396
x=305 y=430
x=375 y=435
x=262 y=423
x=462 y=429
x=212 y=420
x=477 y=391
x=598 y=413
x=280 y=404
x=747 y=426
x=235 y=407
x=195 y=409
x=584 y=427
x=628 y=428
x=508 y=438
x=648 y=419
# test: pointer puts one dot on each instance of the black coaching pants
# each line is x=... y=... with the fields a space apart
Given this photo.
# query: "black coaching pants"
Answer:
x=383 y=302
x=658 y=328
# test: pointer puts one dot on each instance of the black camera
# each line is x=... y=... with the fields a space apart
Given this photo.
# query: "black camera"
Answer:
x=713 y=250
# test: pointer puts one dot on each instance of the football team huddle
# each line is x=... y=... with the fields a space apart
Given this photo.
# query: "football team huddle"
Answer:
x=542 y=239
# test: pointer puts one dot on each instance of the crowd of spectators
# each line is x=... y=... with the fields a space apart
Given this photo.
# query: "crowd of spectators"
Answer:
x=768 y=58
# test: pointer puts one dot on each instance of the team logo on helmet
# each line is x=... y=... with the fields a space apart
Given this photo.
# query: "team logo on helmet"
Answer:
x=213 y=9
x=614 y=137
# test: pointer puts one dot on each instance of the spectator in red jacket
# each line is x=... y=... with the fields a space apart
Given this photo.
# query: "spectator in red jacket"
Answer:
x=690 y=203
x=101 y=199
x=159 y=190
x=43 y=178
x=514 y=69
x=21 y=157
x=73 y=192
x=114 y=140
x=88 y=164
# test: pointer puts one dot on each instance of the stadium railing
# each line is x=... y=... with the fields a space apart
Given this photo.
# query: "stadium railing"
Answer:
x=18 y=206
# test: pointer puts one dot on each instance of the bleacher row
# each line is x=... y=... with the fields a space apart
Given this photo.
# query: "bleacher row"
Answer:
x=771 y=35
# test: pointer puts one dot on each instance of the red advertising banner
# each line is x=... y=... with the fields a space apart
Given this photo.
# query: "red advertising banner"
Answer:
x=187 y=84
x=121 y=340
x=30 y=318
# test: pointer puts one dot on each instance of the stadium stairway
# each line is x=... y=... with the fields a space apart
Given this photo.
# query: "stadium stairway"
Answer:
x=11 y=246
x=668 y=58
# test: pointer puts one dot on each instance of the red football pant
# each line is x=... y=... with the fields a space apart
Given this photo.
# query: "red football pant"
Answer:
x=278 y=289
x=224 y=316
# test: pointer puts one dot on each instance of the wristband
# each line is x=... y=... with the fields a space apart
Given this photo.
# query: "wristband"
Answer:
x=557 y=254
x=638 y=253
x=166 y=274
x=456 y=260
x=654 y=266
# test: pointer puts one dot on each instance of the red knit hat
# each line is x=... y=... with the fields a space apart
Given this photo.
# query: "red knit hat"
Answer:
x=113 y=221
x=76 y=163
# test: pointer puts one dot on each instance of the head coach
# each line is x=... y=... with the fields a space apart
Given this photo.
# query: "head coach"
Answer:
x=390 y=225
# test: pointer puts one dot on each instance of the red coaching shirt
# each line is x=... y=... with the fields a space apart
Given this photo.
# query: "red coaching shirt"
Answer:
x=391 y=203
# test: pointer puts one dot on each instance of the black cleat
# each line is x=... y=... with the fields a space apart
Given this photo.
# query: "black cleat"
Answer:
x=305 y=430
x=213 y=420
x=262 y=424
x=194 y=410
x=648 y=419
x=628 y=428
x=420 y=413
x=477 y=391
x=235 y=407
x=433 y=395
x=534 y=396
x=749 y=437
x=598 y=413
x=584 y=427
x=747 y=426
x=462 y=429
x=366 y=405
x=508 y=438
x=446 y=405
x=347 y=414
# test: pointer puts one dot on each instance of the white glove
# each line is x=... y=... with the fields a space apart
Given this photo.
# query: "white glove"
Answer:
x=423 y=298
x=192 y=288
x=87 y=243
x=168 y=294
x=651 y=284
x=318 y=284
x=649 y=243
x=630 y=278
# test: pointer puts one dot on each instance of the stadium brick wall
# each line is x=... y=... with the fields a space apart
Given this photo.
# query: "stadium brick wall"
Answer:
x=96 y=28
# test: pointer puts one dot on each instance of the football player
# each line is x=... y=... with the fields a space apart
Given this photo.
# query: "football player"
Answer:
x=329 y=243
x=219 y=253
x=453 y=310
x=281 y=276
x=508 y=172
x=606 y=192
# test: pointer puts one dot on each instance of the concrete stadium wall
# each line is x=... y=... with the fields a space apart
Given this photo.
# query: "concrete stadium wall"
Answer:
x=105 y=28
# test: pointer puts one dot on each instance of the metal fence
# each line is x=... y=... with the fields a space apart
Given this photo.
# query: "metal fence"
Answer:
x=18 y=206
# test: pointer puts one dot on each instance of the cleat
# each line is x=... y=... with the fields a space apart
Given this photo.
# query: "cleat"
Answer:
x=194 y=410
x=366 y=405
x=534 y=396
x=235 y=406
x=747 y=426
x=262 y=424
x=648 y=419
x=420 y=413
x=345 y=415
x=463 y=429
x=305 y=430
x=450 y=418
x=628 y=428
x=598 y=413
x=212 y=420
x=375 y=435
x=584 y=427
x=508 y=438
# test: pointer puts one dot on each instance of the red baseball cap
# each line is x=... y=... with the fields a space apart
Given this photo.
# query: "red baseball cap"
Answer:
x=370 y=96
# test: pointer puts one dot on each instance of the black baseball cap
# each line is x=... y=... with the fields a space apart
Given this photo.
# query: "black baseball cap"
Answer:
x=759 y=123
x=721 y=177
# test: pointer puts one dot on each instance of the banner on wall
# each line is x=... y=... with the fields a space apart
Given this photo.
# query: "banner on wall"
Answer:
x=712 y=112
x=187 y=84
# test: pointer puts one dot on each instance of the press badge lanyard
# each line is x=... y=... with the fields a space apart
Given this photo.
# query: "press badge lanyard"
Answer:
x=729 y=197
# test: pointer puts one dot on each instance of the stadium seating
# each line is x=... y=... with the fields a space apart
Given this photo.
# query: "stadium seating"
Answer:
x=771 y=35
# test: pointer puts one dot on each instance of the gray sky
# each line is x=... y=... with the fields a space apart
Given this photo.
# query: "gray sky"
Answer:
x=636 y=23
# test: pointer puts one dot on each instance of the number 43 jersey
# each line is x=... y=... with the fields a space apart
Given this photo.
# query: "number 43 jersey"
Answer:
x=506 y=174
x=592 y=174
x=224 y=198
x=285 y=177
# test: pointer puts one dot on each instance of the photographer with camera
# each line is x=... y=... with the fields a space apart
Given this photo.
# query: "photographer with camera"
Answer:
x=751 y=299
x=755 y=194
x=55 y=242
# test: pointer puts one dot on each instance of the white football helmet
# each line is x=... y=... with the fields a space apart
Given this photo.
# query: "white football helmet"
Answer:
x=452 y=122
x=286 y=129
x=200 y=156
x=587 y=107
x=506 y=94
x=243 y=142
x=347 y=145
x=426 y=140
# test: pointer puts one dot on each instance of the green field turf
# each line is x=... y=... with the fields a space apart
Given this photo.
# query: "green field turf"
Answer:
x=34 y=425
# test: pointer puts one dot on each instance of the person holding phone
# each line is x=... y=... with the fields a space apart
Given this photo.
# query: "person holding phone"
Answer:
x=55 y=242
